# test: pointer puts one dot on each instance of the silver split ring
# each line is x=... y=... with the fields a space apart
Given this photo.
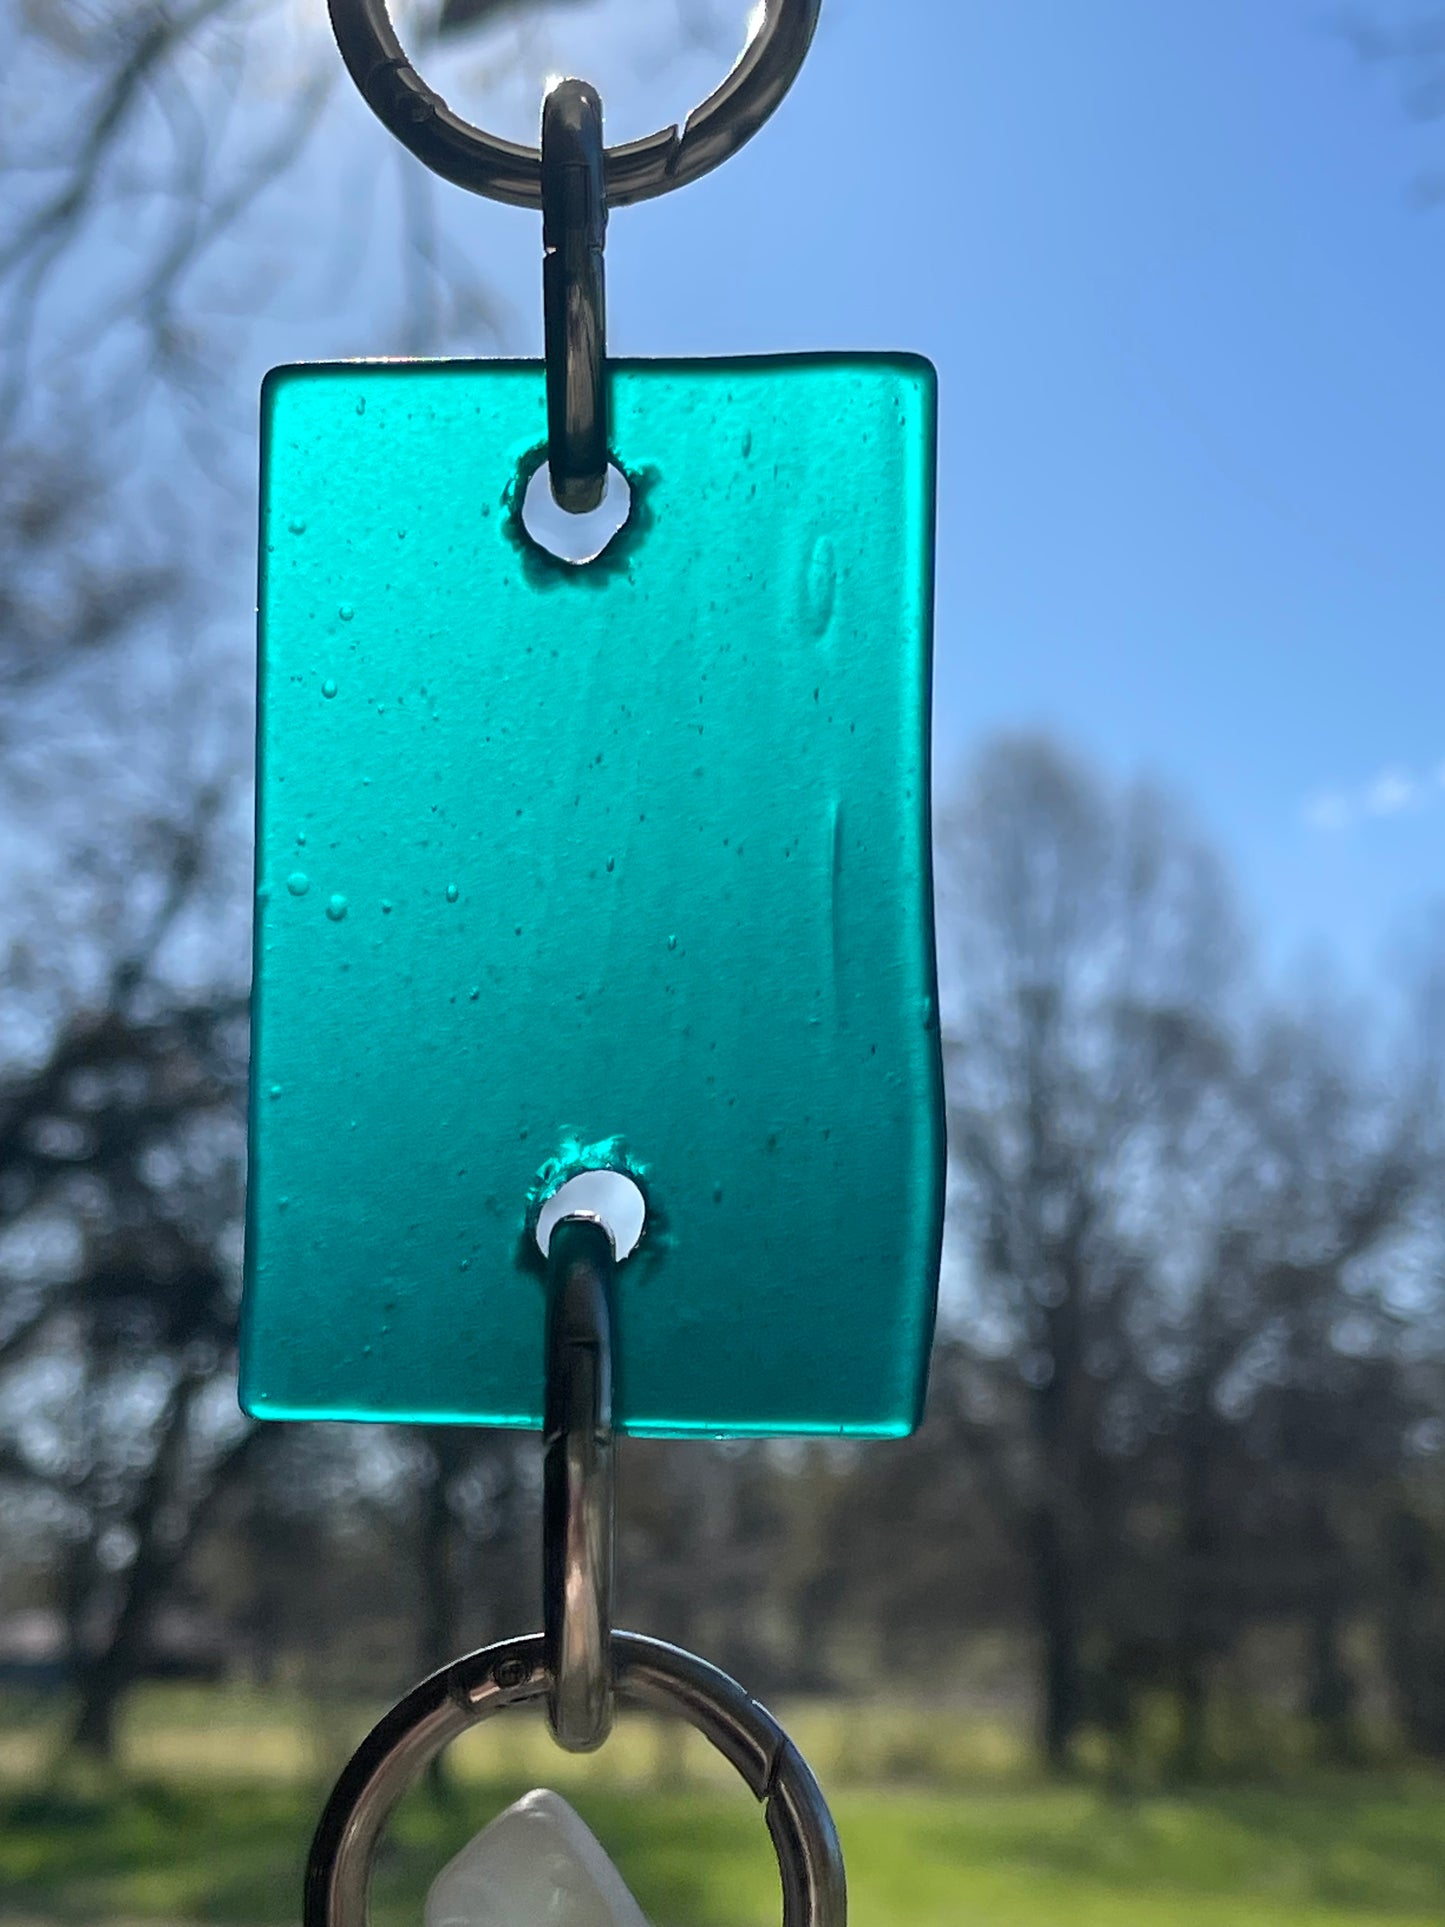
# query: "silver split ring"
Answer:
x=506 y=171
x=513 y=1673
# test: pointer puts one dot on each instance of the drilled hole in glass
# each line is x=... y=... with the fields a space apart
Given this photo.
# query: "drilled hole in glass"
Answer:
x=610 y=1197
x=575 y=538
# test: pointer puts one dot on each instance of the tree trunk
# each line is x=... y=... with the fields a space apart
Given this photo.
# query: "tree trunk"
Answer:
x=1414 y=1629
x=1056 y=1603
x=1064 y=1448
x=1192 y=1694
x=438 y=1623
x=1332 y=1694
x=439 y=1620
x=103 y=1685
x=108 y=1676
x=1198 y=1566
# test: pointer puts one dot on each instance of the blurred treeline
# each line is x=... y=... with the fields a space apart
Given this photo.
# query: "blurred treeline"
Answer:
x=1184 y=1465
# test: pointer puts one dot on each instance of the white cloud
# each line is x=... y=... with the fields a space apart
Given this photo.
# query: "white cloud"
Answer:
x=1328 y=811
x=1391 y=793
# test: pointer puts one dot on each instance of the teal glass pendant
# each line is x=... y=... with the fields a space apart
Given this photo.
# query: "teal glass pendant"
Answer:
x=621 y=864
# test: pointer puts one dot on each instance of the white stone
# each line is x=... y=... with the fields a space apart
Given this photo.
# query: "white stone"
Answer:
x=537 y=1865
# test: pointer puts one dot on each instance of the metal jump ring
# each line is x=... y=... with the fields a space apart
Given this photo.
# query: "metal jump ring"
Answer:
x=394 y=1753
x=574 y=295
x=506 y=171
x=577 y=1484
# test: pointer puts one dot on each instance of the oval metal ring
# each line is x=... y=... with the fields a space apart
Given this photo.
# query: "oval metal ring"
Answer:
x=577 y=1484
x=655 y=1675
x=506 y=171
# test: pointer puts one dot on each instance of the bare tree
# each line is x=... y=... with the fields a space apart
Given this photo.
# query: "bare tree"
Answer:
x=149 y=154
x=1185 y=1221
x=1087 y=949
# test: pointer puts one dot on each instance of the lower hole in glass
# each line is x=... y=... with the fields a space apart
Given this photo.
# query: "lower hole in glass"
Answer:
x=610 y=1196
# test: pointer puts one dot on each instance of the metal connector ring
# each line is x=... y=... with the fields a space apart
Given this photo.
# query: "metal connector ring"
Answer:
x=659 y=1677
x=506 y=171
x=577 y=1485
x=574 y=297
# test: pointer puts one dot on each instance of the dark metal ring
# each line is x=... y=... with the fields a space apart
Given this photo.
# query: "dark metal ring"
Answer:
x=395 y=1752
x=577 y=1484
x=506 y=171
x=574 y=295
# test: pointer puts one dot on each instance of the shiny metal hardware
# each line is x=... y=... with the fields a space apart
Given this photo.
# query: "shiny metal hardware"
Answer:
x=577 y=1485
x=654 y=1675
x=506 y=171
x=574 y=299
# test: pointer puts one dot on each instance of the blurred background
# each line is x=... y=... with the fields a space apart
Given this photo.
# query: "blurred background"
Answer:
x=1148 y=1622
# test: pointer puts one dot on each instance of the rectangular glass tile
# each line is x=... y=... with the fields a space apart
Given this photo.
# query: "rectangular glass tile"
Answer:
x=626 y=861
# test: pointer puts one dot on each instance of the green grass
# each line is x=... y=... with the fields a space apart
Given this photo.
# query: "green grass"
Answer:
x=218 y=1835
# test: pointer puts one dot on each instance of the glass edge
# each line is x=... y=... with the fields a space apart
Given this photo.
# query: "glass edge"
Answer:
x=933 y=1168
x=900 y=361
x=260 y=1405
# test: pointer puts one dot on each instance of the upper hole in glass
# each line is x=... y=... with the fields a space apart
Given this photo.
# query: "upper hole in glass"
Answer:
x=575 y=538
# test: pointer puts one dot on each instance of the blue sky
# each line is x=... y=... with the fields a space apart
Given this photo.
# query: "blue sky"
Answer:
x=1187 y=316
